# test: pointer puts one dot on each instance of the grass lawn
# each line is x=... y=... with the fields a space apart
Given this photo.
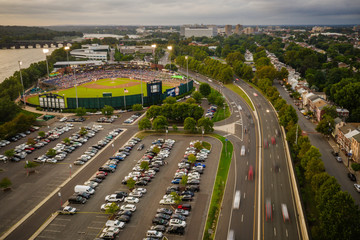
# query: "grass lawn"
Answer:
x=237 y=90
x=30 y=113
x=83 y=91
x=220 y=115
x=219 y=188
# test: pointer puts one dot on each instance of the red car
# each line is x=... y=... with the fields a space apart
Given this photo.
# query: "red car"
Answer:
x=185 y=207
x=273 y=141
x=30 y=148
x=268 y=209
x=101 y=172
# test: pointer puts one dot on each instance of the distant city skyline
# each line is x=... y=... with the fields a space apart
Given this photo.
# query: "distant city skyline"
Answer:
x=171 y=12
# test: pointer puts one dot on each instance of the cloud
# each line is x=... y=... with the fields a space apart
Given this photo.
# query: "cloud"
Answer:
x=174 y=12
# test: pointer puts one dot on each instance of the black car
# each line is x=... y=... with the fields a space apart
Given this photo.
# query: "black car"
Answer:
x=352 y=177
x=193 y=182
x=83 y=194
x=163 y=216
x=123 y=218
x=188 y=192
x=178 y=216
x=335 y=154
x=160 y=221
x=77 y=199
x=121 y=194
x=124 y=212
x=95 y=179
x=186 y=198
x=164 y=211
x=141 y=183
x=175 y=230
x=156 y=169
x=106 y=169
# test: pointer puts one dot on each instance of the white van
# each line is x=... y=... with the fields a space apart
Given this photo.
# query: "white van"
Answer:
x=242 y=153
x=84 y=188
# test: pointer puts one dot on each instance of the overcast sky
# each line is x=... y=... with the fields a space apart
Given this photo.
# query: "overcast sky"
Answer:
x=178 y=12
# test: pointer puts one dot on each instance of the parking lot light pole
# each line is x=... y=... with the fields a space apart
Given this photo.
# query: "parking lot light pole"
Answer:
x=154 y=53
x=170 y=48
x=187 y=73
x=22 y=83
x=67 y=54
x=45 y=51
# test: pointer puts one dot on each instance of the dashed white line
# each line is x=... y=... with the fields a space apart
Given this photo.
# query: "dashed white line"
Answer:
x=274 y=231
x=242 y=217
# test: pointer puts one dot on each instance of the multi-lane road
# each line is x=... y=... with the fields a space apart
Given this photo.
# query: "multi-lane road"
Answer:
x=267 y=158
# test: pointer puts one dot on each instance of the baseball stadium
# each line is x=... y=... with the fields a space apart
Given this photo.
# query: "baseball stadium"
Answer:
x=119 y=86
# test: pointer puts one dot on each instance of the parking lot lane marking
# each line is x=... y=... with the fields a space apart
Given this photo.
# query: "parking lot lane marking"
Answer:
x=46 y=237
x=97 y=222
x=57 y=225
x=95 y=228
x=62 y=219
x=48 y=230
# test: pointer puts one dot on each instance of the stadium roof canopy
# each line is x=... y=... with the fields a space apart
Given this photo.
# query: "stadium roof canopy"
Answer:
x=76 y=63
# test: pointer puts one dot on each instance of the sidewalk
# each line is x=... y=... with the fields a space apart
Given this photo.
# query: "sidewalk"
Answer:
x=32 y=109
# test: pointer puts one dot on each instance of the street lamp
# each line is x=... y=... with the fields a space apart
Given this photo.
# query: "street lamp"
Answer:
x=22 y=83
x=67 y=54
x=187 y=73
x=45 y=51
x=170 y=48
x=154 y=46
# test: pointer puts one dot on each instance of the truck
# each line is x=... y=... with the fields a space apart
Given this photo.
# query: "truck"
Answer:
x=84 y=188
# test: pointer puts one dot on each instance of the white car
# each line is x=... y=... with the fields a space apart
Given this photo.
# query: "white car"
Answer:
x=154 y=234
x=105 y=206
x=113 y=198
x=177 y=222
x=135 y=194
x=357 y=187
x=115 y=223
x=115 y=230
x=167 y=201
x=128 y=207
x=142 y=190
x=131 y=200
x=182 y=212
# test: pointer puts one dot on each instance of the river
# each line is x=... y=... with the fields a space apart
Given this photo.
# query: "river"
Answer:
x=9 y=59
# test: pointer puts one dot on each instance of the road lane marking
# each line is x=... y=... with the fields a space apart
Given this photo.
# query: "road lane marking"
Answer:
x=245 y=178
x=244 y=195
x=275 y=232
x=287 y=234
x=242 y=217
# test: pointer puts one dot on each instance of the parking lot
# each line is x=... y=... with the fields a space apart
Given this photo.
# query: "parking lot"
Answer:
x=29 y=190
x=90 y=220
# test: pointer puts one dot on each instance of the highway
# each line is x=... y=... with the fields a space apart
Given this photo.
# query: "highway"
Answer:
x=250 y=220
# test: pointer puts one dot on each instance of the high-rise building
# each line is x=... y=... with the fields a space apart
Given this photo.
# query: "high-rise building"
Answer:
x=198 y=30
x=238 y=29
x=228 y=30
x=249 y=30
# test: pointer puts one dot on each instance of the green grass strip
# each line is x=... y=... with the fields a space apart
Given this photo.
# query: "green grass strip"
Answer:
x=36 y=115
x=237 y=90
x=219 y=114
x=219 y=188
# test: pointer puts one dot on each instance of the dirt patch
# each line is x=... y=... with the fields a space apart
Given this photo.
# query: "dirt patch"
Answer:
x=97 y=86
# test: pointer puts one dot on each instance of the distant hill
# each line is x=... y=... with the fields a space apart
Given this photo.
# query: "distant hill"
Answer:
x=9 y=34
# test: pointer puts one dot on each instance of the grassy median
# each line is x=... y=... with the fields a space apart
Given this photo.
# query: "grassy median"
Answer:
x=219 y=188
x=237 y=90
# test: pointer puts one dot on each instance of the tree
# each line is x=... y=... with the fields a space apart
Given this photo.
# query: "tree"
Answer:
x=233 y=57
x=112 y=208
x=176 y=197
x=156 y=150
x=283 y=73
x=184 y=180
x=153 y=112
x=41 y=134
x=9 y=153
x=205 y=89
x=220 y=101
x=288 y=115
x=137 y=107
x=354 y=166
x=51 y=152
x=83 y=131
x=169 y=100
x=326 y=125
x=313 y=153
x=318 y=180
x=175 y=127
x=107 y=110
x=29 y=164
x=144 y=124
x=206 y=124
x=192 y=159
x=130 y=183
x=313 y=167
x=66 y=141
x=330 y=111
x=197 y=96
x=160 y=123
x=198 y=146
x=212 y=97
x=81 y=111
x=144 y=165
x=190 y=101
x=31 y=141
x=5 y=183
x=190 y=124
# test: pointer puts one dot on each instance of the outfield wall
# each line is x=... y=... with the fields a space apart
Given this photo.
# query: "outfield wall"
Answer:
x=118 y=102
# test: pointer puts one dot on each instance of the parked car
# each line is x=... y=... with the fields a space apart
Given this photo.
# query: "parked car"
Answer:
x=185 y=207
x=131 y=200
x=163 y=215
x=175 y=230
x=68 y=210
x=165 y=211
x=77 y=200
x=160 y=221
x=177 y=222
x=129 y=207
x=352 y=177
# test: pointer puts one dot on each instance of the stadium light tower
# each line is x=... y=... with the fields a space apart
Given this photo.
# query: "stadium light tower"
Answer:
x=170 y=48
x=187 y=73
x=67 y=48
x=45 y=51
x=22 y=83
x=154 y=46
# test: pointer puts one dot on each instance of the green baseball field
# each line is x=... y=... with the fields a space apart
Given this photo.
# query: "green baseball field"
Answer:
x=95 y=89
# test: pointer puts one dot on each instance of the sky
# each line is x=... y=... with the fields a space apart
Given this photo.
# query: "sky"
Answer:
x=175 y=12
